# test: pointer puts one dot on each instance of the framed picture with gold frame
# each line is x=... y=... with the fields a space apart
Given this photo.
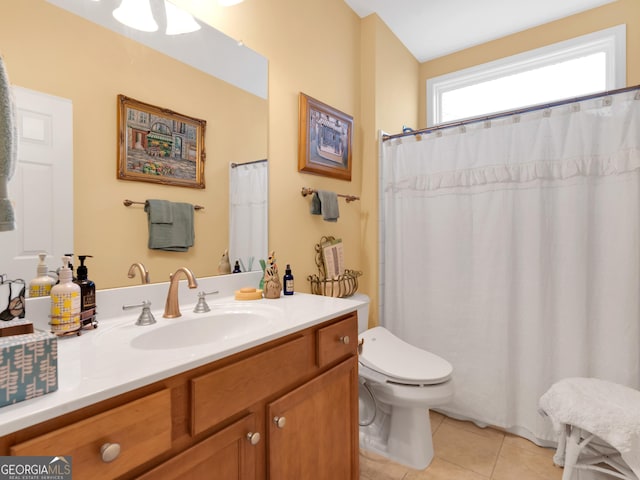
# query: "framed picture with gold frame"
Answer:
x=325 y=139
x=159 y=145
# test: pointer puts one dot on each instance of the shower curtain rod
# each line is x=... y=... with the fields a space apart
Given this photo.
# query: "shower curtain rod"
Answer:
x=510 y=113
x=234 y=165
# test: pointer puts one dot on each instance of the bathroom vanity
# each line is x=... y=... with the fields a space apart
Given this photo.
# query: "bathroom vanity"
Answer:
x=278 y=403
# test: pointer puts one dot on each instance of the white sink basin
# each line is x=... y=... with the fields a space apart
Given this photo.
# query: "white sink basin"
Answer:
x=225 y=324
x=201 y=330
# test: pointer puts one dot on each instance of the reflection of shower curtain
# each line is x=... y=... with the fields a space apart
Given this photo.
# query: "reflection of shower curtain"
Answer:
x=512 y=249
x=248 y=203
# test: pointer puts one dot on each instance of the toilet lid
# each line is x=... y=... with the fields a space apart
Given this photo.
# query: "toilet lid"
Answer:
x=401 y=362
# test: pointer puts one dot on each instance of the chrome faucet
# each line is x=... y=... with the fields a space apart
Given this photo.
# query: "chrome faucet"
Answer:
x=144 y=273
x=172 y=307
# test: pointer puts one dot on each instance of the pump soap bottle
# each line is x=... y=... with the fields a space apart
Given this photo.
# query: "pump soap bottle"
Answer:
x=65 y=302
x=69 y=265
x=87 y=295
x=287 y=281
x=42 y=284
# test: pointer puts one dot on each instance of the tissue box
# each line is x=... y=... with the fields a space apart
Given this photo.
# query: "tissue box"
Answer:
x=28 y=366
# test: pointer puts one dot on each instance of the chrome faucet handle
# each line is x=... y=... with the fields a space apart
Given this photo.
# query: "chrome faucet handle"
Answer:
x=201 y=306
x=146 y=317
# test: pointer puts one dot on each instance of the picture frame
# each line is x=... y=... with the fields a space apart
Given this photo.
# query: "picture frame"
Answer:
x=159 y=145
x=325 y=139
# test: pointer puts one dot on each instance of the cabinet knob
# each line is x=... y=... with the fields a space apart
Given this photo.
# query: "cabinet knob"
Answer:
x=254 y=438
x=109 y=452
x=280 y=421
x=344 y=339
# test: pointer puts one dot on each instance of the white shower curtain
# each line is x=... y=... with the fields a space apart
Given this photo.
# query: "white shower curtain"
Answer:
x=512 y=249
x=248 y=213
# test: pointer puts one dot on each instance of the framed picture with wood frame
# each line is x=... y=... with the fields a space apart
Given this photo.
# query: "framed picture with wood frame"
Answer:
x=159 y=145
x=325 y=139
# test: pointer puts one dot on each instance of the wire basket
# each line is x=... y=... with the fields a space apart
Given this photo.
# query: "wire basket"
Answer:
x=344 y=285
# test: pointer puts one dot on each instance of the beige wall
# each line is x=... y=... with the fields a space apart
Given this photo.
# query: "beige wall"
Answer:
x=313 y=47
x=52 y=51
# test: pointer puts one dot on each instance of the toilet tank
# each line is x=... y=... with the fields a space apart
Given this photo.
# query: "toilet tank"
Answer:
x=362 y=310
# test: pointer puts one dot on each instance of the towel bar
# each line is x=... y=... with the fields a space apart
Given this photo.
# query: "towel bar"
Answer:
x=349 y=198
x=128 y=203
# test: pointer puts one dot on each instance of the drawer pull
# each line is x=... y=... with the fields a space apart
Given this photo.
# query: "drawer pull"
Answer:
x=280 y=421
x=344 y=339
x=254 y=438
x=109 y=452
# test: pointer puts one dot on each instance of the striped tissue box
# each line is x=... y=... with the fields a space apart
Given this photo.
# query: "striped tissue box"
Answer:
x=28 y=366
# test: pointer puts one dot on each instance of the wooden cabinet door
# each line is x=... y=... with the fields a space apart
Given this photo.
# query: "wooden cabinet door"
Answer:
x=229 y=454
x=141 y=429
x=318 y=437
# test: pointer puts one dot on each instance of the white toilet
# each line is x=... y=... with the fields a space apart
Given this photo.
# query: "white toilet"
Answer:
x=398 y=385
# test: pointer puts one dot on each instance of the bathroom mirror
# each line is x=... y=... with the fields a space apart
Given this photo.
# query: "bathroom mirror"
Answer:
x=56 y=51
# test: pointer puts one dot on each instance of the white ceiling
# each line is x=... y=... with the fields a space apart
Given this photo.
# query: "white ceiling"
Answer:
x=433 y=28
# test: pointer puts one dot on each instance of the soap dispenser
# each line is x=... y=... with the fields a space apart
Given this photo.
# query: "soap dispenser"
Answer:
x=65 y=302
x=42 y=284
x=87 y=295
x=69 y=266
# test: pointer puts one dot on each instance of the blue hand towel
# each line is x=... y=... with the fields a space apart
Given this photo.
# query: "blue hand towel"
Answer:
x=315 y=207
x=329 y=206
x=176 y=235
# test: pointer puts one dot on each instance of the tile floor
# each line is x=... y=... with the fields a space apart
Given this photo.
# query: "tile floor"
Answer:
x=466 y=452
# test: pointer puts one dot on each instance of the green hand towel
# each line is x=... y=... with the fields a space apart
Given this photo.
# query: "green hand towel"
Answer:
x=159 y=211
x=329 y=206
x=176 y=236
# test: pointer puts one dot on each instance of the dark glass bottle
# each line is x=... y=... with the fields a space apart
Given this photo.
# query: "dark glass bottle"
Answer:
x=287 y=281
x=87 y=295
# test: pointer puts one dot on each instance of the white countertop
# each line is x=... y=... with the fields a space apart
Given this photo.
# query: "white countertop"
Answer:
x=102 y=363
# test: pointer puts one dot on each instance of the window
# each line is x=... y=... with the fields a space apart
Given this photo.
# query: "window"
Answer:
x=591 y=63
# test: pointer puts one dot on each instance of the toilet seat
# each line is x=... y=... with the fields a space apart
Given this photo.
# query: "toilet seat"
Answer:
x=401 y=362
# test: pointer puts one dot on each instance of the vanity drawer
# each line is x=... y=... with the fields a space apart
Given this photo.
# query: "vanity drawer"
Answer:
x=337 y=340
x=227 y=391
x=142 y=428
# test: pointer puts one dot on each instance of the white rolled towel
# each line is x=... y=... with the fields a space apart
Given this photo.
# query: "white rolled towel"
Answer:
x=8 y=149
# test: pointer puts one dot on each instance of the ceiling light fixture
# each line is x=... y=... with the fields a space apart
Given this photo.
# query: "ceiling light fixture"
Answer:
x=136 y=14
x=178 y=20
